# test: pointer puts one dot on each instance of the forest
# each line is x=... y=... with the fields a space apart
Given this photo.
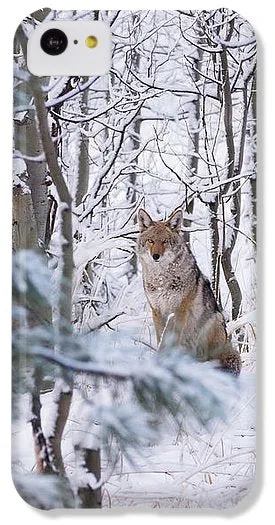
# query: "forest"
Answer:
x=101 y=418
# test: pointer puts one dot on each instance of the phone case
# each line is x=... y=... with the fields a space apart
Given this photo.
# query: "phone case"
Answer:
x=134 y=281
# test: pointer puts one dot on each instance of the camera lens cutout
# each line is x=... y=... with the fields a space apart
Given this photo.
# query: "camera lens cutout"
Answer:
x=54 y=42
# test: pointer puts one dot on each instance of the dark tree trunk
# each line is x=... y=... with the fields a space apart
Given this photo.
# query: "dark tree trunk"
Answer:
x=194 y=138
x=91 y=498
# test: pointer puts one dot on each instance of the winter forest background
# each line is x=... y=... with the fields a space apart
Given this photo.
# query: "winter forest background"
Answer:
x=100 y=417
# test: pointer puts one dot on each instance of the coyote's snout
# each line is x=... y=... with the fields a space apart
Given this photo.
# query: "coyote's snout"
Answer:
x=182 y=302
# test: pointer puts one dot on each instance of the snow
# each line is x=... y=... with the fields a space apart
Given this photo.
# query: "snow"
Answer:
x=20 y=176
x=189 y=467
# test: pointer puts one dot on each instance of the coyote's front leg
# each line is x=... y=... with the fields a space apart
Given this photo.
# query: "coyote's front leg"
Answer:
x=165 y=330
x=159 y=324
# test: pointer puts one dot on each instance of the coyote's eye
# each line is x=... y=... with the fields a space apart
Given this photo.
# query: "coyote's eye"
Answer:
x=150 y=241
x=165 y=242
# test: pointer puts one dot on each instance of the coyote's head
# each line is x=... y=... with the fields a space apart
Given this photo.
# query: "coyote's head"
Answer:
x=159 y=241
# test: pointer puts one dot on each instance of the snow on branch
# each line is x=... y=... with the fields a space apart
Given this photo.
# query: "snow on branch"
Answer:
x=171 y=381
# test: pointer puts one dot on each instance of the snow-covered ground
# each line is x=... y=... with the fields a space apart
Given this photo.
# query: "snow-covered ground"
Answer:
x=188 y=467
x=194 y=468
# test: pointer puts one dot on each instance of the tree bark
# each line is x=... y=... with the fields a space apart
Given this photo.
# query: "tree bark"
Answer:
x=231 y=280
x=253 y=182
x=91 y=498
x=83 y=162
x=24 y=232
x=193 y=141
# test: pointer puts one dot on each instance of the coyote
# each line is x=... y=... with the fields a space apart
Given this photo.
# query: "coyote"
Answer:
x=181 y=299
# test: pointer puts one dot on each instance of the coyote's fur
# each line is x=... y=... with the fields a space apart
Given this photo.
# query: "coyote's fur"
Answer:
x=183 y=305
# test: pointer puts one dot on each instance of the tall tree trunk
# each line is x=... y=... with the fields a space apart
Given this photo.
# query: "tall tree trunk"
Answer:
x=90 y=498
x=24 y=231
x=91 y=459
x=193 y=140
x=215 y=249
x=227 y=249
x=253 y=132
x=131 y=194
x=27 y=141
x=83 y=161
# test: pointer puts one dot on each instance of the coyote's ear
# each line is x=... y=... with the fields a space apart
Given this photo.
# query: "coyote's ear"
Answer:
x=175 y=221
x=144 y=220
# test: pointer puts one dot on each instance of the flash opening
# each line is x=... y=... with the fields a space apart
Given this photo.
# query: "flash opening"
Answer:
x=91 y=41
